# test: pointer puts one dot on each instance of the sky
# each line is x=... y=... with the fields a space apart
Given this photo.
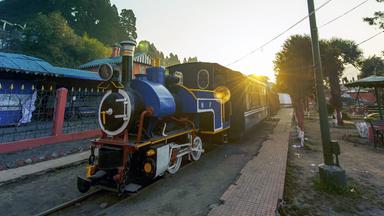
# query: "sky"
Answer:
x=222 y=31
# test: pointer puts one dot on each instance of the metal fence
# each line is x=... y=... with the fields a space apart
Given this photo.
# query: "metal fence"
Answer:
x=27 y=111
x=81 y=109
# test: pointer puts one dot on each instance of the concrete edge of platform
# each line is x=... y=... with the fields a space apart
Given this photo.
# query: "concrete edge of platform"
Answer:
x=12 y=175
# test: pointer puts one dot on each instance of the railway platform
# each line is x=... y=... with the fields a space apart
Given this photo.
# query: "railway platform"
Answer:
x=261 y=183
x=10 y=175
x=41 y=159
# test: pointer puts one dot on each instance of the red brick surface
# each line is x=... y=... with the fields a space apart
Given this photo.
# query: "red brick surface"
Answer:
x=261 y=183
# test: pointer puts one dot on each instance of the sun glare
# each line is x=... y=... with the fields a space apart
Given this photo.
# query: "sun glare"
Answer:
x=269 y=74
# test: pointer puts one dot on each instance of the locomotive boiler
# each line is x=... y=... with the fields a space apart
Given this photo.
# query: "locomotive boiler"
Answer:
x=149 y=125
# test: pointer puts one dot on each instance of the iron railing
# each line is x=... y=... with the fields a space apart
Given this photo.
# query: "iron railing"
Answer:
x=81 y=109
x=30 y=114
x=26 y=115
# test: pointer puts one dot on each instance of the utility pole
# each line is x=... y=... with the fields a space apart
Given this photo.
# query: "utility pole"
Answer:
x=330 y=172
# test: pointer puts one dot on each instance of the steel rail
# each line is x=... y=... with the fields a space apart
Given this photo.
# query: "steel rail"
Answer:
x=68 y=203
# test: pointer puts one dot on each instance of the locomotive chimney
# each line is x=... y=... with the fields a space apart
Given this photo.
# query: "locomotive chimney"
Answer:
x=127 y=51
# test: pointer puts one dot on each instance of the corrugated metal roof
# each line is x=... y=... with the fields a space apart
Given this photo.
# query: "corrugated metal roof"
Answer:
x=78 y=74
x=138 y=58
x=11 y=62
x=98 y=62
x=369 y=82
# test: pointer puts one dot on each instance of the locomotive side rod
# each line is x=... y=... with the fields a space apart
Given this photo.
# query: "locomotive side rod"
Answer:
x=68 y=204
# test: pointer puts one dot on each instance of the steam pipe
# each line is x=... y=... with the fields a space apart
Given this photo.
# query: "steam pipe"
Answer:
x=127 y=51
x=146 y=112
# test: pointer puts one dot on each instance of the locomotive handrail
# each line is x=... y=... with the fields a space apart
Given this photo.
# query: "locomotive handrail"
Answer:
x=188 y=90
x=202 y=90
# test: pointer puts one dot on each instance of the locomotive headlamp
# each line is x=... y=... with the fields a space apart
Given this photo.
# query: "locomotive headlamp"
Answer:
x=150 y=152
x=222 y=93
x=106 y=72
x=90 y=169
x=148 y=167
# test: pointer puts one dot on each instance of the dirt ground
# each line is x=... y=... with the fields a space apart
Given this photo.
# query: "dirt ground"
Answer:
x=364 y=165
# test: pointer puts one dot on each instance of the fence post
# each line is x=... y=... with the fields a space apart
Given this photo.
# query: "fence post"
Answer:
x=59 y=111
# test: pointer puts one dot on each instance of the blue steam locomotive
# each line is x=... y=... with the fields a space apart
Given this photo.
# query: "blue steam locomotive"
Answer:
x=150 y=123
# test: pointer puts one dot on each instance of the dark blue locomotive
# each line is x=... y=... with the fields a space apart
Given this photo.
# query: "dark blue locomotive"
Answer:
x=149 y=124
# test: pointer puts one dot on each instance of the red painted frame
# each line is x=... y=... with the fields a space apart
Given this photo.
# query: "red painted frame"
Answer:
x=31 y=143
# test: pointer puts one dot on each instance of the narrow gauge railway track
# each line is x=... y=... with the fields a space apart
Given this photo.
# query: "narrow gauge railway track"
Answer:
x=71 y=203
x=68 y=203
x=65 y=206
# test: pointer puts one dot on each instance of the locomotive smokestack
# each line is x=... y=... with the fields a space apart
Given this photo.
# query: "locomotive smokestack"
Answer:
x=127 y=51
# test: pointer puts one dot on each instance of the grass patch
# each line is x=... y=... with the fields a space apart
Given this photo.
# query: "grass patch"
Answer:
x=353 y=134
x=345 y=126
x=344 y=200
x=296 y=210
x=311 y=146
x=290 y=184
x=352 y=190
x=292 y=207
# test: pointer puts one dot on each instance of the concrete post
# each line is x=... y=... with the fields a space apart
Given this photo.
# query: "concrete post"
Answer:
x=330 y=172
x=59 y=111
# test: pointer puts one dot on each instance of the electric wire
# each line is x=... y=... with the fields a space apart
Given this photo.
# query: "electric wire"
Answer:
x=279 y=35
x=370 y=38
x=345 y=13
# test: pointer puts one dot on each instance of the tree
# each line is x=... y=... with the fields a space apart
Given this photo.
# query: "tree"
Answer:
x=373 y=65
x=151 y=50
x=52 y=39
x=98 y=18
x=336 y=54
x=293 y=66
x=192 y=59
x=92 y=49
x=294 y=72
x=172 y=59
x=128 y=23
x=377 y=19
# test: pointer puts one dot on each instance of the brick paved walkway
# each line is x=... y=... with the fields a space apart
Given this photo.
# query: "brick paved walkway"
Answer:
x=261 y=182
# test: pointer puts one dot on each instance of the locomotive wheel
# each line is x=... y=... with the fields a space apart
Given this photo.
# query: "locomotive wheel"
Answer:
x=174 y=167
x=197 y=148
